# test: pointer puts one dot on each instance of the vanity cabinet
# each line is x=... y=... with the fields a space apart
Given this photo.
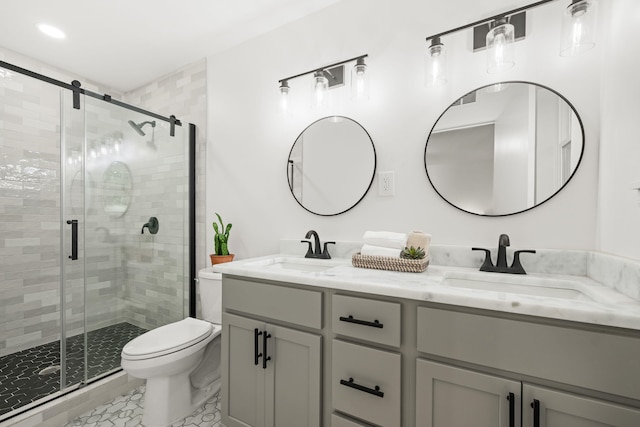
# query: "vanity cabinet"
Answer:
x=543 y=407
x=449 y=396
x=338 y=358
x=589 y=359
x=271 y=372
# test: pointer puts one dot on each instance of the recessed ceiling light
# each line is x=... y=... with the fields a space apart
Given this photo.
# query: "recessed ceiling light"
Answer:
x=51 y=31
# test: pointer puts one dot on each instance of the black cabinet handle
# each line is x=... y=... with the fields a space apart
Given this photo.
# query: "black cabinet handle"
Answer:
x=350 y=319
x=375 y=391
x=536 y=412
x=265 y=358
x=512 y=409
x=256 y=356
x=74 y=238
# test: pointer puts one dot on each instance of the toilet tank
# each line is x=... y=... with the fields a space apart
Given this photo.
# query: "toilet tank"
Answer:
x=210 y=289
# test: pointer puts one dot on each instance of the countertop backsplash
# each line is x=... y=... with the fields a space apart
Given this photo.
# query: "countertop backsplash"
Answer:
x=621 y=274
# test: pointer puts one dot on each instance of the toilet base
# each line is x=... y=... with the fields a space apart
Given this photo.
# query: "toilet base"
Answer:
x=171 y=399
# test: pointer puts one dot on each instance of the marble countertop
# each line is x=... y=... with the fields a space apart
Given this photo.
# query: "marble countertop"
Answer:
x=603 y=306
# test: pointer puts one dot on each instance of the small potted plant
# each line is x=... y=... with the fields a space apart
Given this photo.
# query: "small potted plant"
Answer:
x=220 y=241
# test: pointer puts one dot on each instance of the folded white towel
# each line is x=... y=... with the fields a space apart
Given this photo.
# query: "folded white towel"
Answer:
x=380 y=251
x=385 y=239
x=419 y=239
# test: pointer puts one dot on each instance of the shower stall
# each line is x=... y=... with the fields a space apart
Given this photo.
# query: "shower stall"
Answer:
x=96 y=233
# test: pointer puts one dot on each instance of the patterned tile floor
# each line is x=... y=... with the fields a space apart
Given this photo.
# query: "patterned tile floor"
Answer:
x=126 y=411
x=21 y=381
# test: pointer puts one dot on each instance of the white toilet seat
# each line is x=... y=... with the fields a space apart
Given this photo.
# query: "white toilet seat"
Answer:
x=167 y=339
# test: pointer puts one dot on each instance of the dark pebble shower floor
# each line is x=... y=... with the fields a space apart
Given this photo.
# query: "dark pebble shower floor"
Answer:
x=21 y=381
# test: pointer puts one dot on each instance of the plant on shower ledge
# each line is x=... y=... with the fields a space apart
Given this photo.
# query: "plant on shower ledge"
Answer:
x=220 y=243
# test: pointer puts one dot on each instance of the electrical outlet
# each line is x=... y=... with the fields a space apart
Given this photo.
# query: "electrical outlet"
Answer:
x=385 y=183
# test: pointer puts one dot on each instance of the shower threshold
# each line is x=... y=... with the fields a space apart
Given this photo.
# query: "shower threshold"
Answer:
x=34 y=373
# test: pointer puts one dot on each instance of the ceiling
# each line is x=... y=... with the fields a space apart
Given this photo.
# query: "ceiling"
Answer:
x=125 y=44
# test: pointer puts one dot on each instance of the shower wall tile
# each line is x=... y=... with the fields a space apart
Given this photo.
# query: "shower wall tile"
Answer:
x=183 y=94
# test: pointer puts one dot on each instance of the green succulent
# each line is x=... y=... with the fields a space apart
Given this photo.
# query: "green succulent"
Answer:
x=412 y=253
x=221 y=238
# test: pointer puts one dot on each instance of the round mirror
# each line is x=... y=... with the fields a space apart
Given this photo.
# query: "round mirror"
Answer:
x=331 y=166
x=504 y=148
x=116 y=189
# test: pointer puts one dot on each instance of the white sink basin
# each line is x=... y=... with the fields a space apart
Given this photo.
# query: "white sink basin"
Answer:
x=301 y=265
x=520 y=284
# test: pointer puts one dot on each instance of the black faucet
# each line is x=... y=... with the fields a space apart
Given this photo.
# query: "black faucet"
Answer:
x=503 y=242
x=501 y=264
x=311 y=253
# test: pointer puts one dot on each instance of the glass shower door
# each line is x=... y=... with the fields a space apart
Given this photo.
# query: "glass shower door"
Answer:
x=136 y=229
x=73 y=259
x=41 y=289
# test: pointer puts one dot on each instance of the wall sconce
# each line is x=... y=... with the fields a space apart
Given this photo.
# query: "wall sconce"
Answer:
x=320 y=89
x=498 y=33
x=283 y=96
x=578 y=28
x=329 y=77
x=500 y=49
x=360 y=86
x=435 y=73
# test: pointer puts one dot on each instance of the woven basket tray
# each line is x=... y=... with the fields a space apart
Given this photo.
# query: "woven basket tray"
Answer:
x=387 y=263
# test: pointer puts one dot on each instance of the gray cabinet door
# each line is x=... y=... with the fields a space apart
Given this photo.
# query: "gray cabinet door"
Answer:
x=292 y=378
x=243 y=380
x=448 y=396
x=559 y=409
x=285 y=393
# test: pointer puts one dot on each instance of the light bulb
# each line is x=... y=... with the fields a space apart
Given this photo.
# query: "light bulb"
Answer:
x=435 y=64
x=283 y=96
x=500 y=47
x=360 y=81
x=320 y=88
x=578 y=28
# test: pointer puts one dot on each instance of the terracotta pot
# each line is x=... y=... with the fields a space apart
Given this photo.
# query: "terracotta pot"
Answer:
x=219 y=259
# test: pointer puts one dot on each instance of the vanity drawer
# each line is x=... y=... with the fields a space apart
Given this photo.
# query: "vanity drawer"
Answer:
x=356 y=370
x=552 y=352
x=366 y=319
x=338 y=421
x=298 y=306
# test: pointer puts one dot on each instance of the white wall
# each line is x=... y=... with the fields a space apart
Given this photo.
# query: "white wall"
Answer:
x=619 y=208
x=249 y=141
x=511 y=154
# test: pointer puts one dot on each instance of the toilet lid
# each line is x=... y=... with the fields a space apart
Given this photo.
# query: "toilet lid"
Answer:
x=168 y=338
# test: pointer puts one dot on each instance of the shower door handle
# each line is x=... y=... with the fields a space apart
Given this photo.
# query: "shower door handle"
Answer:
x=74 y=238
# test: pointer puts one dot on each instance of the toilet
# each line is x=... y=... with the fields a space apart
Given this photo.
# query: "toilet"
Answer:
x=181 y=360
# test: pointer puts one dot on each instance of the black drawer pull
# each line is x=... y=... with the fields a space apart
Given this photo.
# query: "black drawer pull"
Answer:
x=536 y=412
x=512 y=409
x=256 y=355
x=350 y=319
x=266 y=358
x=375 y=391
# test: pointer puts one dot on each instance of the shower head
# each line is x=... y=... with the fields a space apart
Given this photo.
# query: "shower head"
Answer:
x=138 y=127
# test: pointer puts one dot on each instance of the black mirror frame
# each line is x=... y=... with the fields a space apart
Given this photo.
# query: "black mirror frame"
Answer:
x=373 y=175
x=536 y=205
